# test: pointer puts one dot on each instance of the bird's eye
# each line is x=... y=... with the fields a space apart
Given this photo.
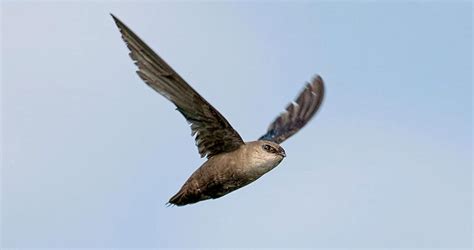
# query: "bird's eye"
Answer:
x=268 y=148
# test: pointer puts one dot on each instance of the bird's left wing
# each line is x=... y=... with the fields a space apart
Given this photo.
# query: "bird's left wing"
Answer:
x=213 y=132
x=297 y=113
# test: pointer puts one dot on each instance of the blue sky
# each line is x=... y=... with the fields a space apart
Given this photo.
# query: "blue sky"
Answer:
x=91 y=154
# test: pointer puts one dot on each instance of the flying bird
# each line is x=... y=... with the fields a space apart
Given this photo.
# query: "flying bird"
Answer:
x=231 y=162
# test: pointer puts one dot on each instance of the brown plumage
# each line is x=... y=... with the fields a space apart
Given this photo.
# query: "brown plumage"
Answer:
x=214 y=134
x=231 y=163
x=297 y=113
x=227 y=172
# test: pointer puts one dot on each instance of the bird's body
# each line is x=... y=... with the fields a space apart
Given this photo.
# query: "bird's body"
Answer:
x=226 y=172
x=231 y=163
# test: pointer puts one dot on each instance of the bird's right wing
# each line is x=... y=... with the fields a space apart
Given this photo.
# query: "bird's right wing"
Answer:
x=213 y=133
x=297 y=113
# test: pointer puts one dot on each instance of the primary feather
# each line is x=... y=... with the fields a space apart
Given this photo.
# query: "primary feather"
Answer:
x=213 y=133
x=297 y=113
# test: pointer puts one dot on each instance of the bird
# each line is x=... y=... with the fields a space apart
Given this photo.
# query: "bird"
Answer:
x=231 y=163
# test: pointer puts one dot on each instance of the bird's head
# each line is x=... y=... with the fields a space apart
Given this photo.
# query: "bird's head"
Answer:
x=272 y=149
x=265 y=155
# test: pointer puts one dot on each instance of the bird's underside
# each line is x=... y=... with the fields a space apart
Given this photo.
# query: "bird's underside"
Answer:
x=226 y=172
x=231 y=163
x=215 y=178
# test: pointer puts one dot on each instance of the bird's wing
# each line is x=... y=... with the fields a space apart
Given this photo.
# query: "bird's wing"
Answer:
x=213 y=133
x=297 y=113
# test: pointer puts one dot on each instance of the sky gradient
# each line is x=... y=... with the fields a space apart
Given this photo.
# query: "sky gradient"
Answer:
x=90 y=154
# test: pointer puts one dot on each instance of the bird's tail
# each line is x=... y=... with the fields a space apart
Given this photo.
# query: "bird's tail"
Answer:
x=184 y=198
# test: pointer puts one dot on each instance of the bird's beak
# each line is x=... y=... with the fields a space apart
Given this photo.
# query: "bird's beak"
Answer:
x=282 y=153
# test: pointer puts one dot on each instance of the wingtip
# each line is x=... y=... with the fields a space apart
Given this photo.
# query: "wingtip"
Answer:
x=317 y=78
x=113 y=16
x=317 y=83
x=116 y=20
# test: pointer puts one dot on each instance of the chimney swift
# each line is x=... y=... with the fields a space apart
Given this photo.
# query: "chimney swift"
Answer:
x=231 y=162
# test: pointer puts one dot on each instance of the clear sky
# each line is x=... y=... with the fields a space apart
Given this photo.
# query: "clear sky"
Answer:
x=90 y=154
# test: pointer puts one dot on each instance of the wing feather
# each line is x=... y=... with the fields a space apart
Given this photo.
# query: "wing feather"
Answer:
x=297 y=113
x=213 y=133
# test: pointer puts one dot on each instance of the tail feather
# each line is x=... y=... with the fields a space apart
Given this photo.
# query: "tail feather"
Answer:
x=184 y=198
